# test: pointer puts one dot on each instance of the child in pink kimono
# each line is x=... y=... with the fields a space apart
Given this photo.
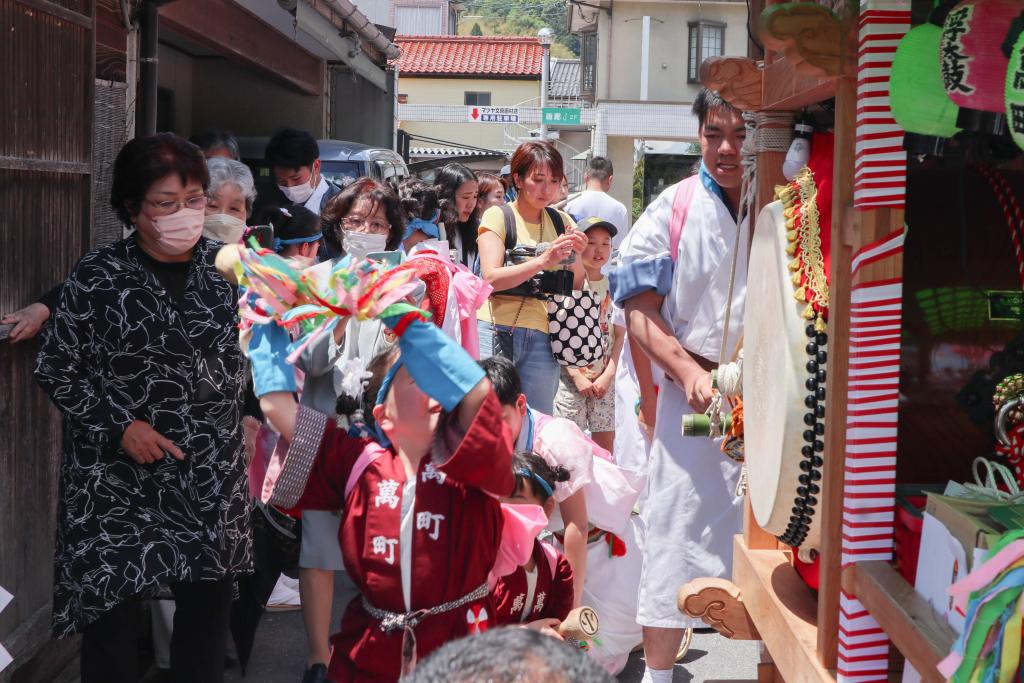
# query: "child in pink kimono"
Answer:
x=539 y=593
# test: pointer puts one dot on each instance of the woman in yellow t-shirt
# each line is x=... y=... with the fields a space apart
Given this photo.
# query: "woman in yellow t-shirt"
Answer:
x=516 y=327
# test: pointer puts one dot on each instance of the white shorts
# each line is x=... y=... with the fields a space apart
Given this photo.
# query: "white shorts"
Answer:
x=589 y=414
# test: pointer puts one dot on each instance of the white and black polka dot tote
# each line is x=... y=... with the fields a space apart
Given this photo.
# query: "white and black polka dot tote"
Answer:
x=574 y=325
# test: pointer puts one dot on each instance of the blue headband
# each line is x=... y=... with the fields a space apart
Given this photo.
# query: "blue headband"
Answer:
x=382 y=395
x=428 y=228
x=278 y=243
x=530 y=474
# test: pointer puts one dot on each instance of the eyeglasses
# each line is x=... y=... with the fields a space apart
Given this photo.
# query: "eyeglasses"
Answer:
x=172 y=206
x=376 y=227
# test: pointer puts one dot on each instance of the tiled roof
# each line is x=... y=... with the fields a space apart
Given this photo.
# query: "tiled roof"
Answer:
x=469 y=55
x=445 y=152
x=565 y=79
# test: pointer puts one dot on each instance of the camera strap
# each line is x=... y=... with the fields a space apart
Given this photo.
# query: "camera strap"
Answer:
x=511 y=231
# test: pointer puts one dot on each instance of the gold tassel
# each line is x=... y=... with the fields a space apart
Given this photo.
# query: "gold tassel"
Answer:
x=791 y=248
x=794 y=265
x=800 y=294
x=791 y=235
x=820 y=325
x=796 y=278
x=809 y=312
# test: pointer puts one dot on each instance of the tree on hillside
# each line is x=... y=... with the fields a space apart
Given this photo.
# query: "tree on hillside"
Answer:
x=476 y=30
x=525 y=18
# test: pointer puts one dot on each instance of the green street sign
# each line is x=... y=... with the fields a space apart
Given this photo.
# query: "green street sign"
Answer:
x=557 y=116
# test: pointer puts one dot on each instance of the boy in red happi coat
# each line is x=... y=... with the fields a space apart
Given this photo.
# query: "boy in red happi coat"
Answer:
x=538 y=594
x=423 y=533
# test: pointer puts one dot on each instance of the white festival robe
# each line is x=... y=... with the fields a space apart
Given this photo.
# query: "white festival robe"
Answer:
x=690 y=510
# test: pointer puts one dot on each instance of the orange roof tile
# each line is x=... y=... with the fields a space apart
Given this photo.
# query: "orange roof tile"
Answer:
x=469 y=55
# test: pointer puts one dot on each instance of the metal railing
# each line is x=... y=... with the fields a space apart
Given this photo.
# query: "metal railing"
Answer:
x=516 y=133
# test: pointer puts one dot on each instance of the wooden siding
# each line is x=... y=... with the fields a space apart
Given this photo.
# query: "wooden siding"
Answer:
x=46 y=94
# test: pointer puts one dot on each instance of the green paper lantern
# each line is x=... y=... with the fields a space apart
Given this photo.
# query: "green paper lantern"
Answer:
x=918 y=97
x=1015 y=85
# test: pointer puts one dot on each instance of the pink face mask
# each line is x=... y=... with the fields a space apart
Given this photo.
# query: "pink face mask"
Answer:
x=180 y=231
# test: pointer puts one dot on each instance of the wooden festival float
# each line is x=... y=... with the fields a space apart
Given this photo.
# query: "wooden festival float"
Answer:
x=891 y=418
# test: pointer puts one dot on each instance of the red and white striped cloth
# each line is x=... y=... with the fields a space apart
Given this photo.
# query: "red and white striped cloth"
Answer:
x=869 y=492
x=880 y=172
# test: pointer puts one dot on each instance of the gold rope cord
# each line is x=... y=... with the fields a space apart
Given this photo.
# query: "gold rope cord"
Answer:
x=808 y=266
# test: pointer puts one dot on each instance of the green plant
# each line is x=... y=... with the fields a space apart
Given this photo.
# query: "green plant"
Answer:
x=525 y=18
x=638 y=188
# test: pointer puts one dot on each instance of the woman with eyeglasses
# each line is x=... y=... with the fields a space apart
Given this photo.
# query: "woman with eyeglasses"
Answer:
x=365 y=218
x=143 y=361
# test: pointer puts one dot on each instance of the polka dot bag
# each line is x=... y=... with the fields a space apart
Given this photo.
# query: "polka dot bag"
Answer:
x=574 y=326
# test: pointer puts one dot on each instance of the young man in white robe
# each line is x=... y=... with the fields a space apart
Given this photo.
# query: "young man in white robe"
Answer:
x=675 y=308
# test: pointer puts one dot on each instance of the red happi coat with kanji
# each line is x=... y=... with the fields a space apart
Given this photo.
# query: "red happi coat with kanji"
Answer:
x=455 y=540
x=552 y=596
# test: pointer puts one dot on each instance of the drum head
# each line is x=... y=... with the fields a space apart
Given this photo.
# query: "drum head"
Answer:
x=773 y=378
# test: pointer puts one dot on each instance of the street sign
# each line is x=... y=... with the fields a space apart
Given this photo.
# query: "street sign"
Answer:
x=557 y=116
x=493 y=114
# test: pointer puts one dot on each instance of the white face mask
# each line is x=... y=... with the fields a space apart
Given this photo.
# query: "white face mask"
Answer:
x=221 y=226
x=298 y=194
x=359 y=244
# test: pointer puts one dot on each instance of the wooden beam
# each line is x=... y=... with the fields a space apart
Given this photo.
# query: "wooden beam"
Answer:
x=56 y=10
x=921 y=634
x=786 y=90
x=756 y=537
x=831 y=506
x=245 y=39
x=739 y=81
x=845 y=241
x=45 y=165
x=719 y=604
x=783 y=609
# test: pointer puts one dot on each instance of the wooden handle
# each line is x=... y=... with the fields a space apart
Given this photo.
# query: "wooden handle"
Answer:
x=580 y=624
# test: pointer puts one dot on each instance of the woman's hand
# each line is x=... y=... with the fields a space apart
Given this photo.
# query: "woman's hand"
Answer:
x=564 y=244
x=27 y=321
x=546 y=626
x=145 y=445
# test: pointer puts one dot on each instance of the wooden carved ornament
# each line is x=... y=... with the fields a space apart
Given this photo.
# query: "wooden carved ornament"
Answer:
x=736 y=79
x=809 y=35
x=718 y=604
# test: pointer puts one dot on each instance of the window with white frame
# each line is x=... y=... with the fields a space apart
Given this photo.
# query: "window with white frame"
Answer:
x=418 y=21
x=707 y=39
x=477 y=99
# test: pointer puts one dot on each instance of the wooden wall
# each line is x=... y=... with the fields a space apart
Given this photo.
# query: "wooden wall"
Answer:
x=46 y=94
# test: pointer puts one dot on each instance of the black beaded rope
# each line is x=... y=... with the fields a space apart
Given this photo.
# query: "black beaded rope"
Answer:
x=814 y=445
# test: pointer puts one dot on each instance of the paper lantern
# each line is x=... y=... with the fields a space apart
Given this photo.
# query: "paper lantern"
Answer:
x=973 y=65
x=1015 y=81
x=918 y=97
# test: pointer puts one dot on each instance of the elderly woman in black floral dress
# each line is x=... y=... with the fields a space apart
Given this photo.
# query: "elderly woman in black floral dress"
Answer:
x=143 y=361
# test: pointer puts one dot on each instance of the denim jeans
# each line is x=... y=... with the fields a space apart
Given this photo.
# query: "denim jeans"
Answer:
x=530 y=351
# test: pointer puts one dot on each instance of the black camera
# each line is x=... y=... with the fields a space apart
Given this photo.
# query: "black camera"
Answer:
x=555 y=282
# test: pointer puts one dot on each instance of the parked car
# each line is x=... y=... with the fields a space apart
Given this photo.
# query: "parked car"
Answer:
x=340 y=161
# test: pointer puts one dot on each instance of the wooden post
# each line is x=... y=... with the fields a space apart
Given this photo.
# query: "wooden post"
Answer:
x=844 y=235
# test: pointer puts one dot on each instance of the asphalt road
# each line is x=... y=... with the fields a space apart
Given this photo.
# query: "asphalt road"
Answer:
x=280 y=656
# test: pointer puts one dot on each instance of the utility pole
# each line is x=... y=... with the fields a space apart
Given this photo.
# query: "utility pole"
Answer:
x=546 y=37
